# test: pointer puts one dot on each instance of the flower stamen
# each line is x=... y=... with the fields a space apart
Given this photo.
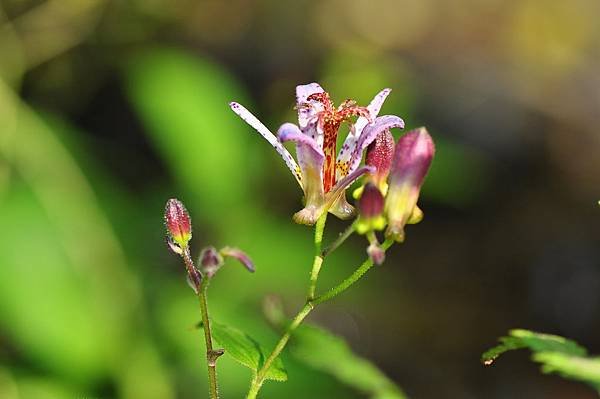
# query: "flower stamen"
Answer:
x=330 y=120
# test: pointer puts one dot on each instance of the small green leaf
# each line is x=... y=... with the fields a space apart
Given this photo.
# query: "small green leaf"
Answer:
x=328 y=353
x=536 y=342
x=556 y=354
x=246 y=350
x=586 y=369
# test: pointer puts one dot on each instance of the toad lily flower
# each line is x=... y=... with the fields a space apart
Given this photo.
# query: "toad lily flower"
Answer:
x=322 y=176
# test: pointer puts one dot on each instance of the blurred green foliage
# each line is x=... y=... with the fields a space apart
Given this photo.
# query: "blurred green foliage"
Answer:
x=324 y=351
x=107 y=109
x=556 y=354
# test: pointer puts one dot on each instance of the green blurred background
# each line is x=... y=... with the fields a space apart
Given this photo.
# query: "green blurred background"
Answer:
x=109 y=108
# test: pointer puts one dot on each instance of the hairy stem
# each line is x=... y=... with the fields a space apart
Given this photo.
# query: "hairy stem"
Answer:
x=260 y=376
x=350 y=280
x=311 y=301
x=338 y=241
x=318 y=260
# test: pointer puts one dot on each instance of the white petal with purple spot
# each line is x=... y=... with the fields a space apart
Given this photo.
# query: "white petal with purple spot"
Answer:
x=309 y=110
x=310 y=157
x=349 y=145
x=369 y=133
x=250 y=119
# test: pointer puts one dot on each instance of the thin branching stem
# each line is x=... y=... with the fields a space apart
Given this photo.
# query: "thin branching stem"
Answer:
x=344 y=235
x=350 y=280
x=311 y=301
x=210 y=353
x=260 y=376
x=210 y=356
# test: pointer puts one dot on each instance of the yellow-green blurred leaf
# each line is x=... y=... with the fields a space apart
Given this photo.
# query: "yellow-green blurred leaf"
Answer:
x=183 y=102
x=326 y=352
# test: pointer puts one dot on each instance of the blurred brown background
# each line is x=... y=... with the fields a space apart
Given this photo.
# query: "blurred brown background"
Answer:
x=108 y=108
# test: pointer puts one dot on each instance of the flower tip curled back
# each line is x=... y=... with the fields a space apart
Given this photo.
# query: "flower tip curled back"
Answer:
x=307 y=216
x=178 y=224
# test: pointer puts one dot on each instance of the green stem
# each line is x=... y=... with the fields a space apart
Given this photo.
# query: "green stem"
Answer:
x=353 y=278
x=260 y=376
x=211 y=355
x=318 y=260
x=338 y=241
x=311 y=303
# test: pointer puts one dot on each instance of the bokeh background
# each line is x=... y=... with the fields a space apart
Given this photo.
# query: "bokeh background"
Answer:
x=108 y=108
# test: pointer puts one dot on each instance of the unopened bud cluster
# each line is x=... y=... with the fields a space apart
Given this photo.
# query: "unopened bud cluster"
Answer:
x=179 y=234
x=390 y=194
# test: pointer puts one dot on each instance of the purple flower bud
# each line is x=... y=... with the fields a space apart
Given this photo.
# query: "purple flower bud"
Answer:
x=178 y=223
x=370 y=204
x=240 y=256
x=412 y=158
x=210 y=261
x=376 y=253
x=379 y=154
x=370 y=209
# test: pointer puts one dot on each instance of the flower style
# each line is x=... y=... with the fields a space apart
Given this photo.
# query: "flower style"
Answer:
x=323 y=176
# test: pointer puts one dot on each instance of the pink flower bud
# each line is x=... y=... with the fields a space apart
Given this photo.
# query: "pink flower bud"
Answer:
x=376 y=253
x=379 y=154
x=210 y=261
x=178 y=223
x=370 y=204
x=412 y=158
x=370 y=209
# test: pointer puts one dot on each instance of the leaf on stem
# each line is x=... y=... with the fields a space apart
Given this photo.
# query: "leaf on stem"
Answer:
x=245 y=350
x=556 y=354
x=330 y=354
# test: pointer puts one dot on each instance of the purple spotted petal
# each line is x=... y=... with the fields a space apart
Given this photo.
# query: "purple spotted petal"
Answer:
x=374 y=107
x=310 y=157
x=350 y=143
x=308 y=111
x=250 y=119
x=305 y=114
x=369 y=134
